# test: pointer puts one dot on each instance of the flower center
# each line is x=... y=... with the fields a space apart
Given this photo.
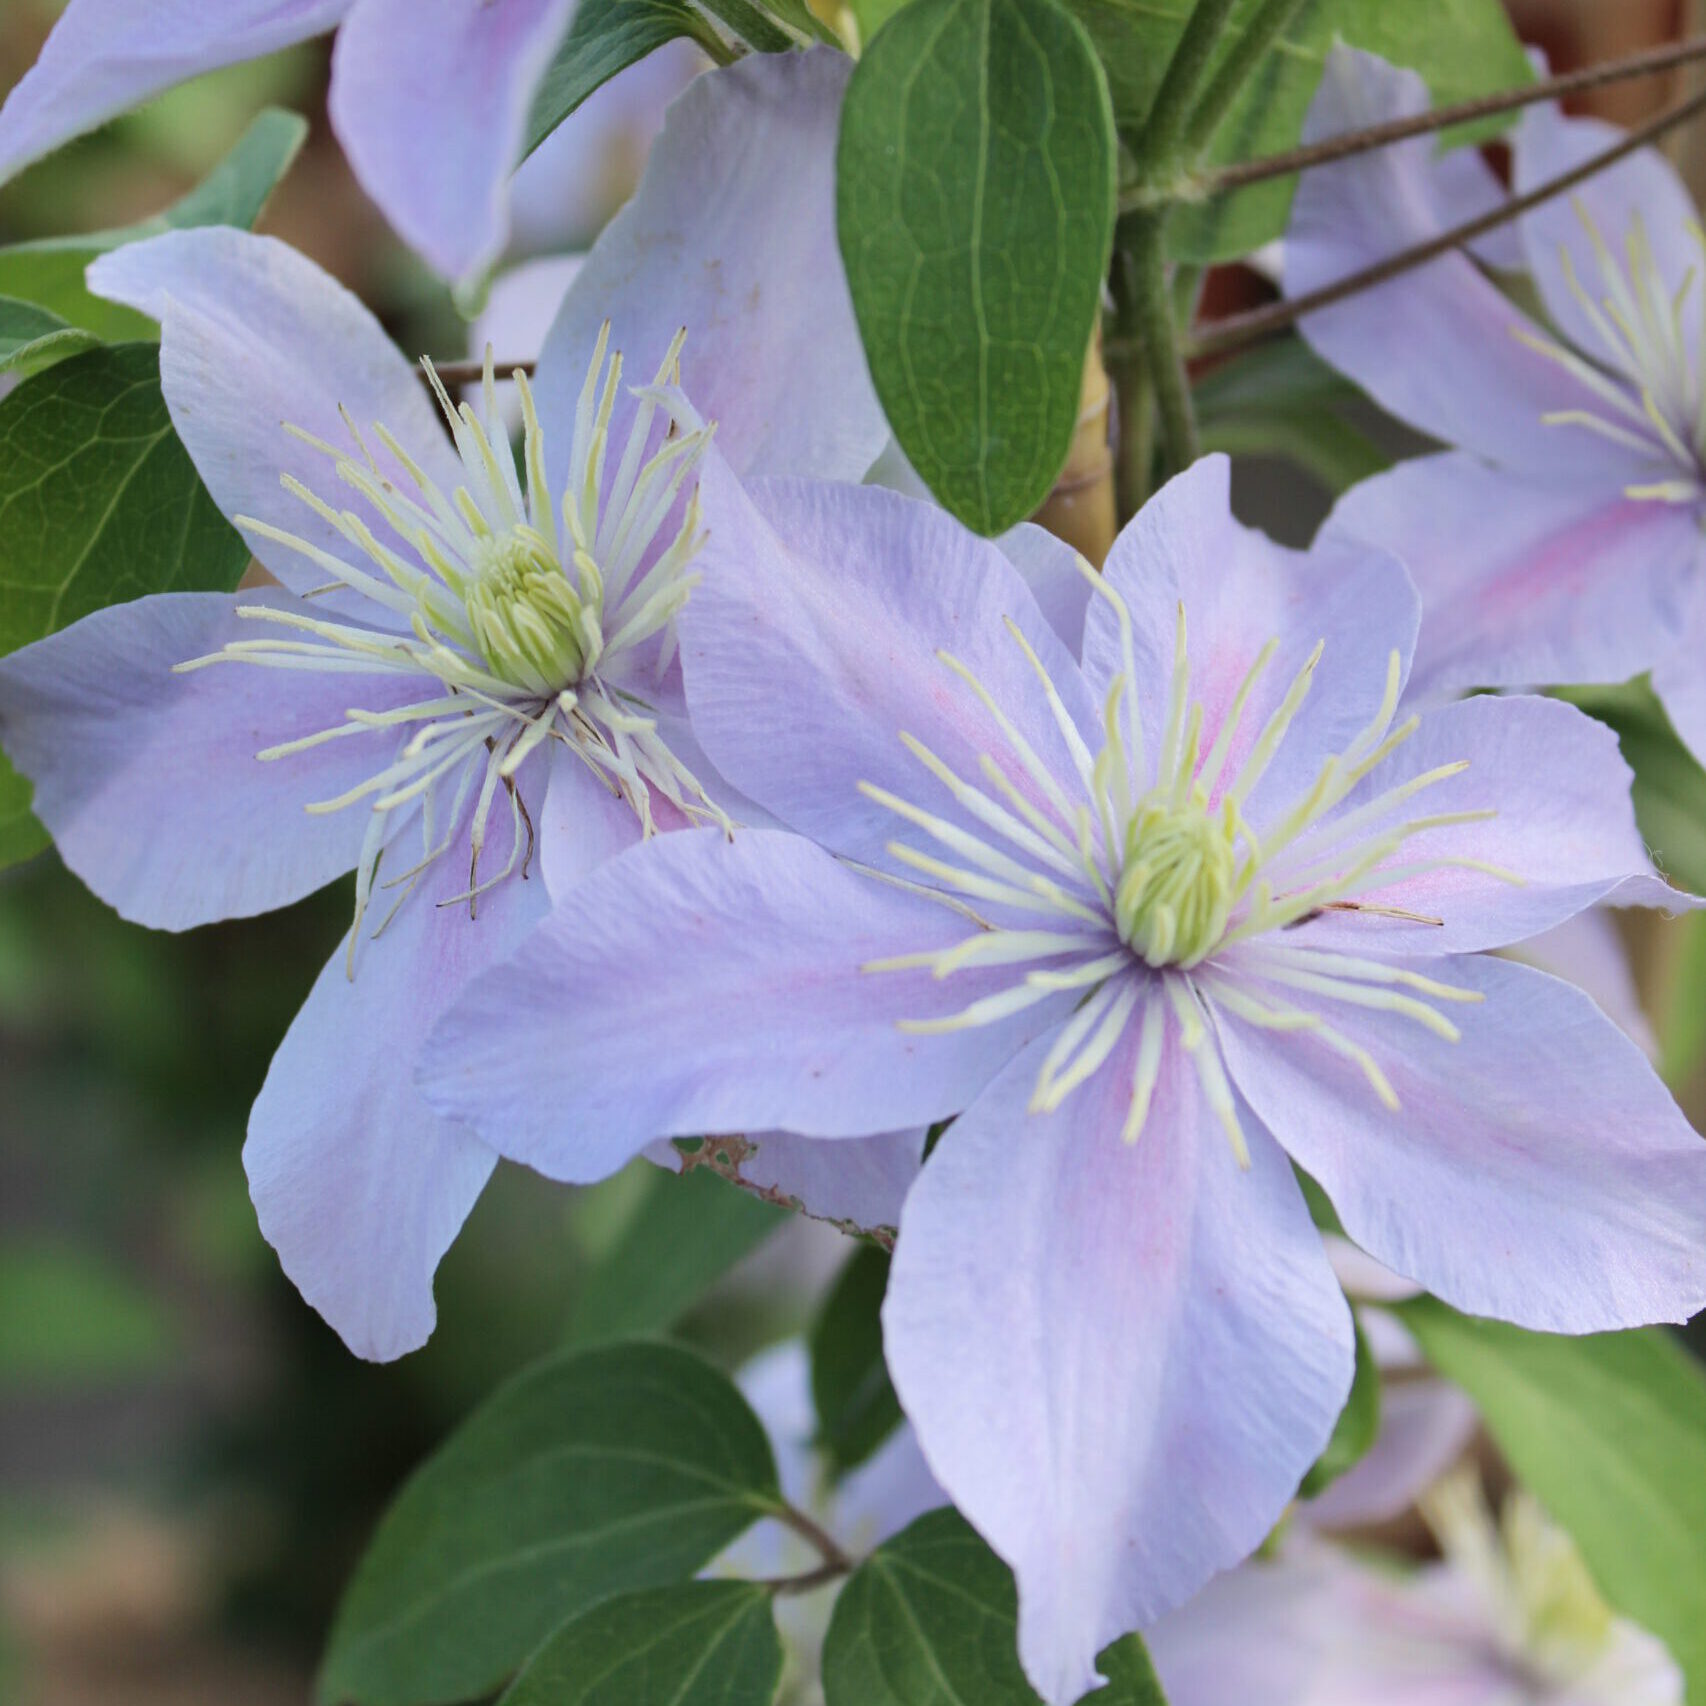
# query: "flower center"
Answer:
x=525 y=615
x=1644 y=376
x=1124 y=883
x=529 y=615
x=1177 y=883
x=1551 y=1620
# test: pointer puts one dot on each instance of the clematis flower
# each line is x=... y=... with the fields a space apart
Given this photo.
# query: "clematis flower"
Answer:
x=1560 y=540
x=462 y=689
x=1147 y=923
x=1508 y=1617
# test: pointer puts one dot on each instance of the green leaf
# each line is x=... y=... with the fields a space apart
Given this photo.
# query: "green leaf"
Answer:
x=50 y=272
x=1282 y=400
x=592 y=1473
x=1355 y=1429
x=21 y=836
x=1461 y=48
x=70 y=1318
x=975 y=208
x=688 y=1231
x=752 y=24
x=32 y=338
x=696 y=1644
x=607 y=36
x=1609 y=1433
x=856 y=1404
x=931 y=1619
x=99 y=502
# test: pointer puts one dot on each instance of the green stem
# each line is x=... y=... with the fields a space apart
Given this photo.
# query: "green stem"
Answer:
x=1248 y=52
x=1157 y=333
x=1134 y=465
x=1157 y=149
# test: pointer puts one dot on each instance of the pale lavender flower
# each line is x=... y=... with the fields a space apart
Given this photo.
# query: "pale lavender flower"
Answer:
x=1508 y=1617
x=1148 y=924
x=429 y=97
x=464 y=684
x=1561 y=539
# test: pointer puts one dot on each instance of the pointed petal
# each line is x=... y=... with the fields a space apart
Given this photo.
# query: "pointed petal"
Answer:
x=1458 y=371
x=359 y=1186
x=1644 y=186
x=468 y=72
x=1563 y=823
x=1536 y=1170
x=149 y=780
x=1526 y=579
x=694 y=985
x=1119 y=1359
x=107 y=56
x=252 y=336
x=825 y=605
x=1240 y=591
x=720 y=240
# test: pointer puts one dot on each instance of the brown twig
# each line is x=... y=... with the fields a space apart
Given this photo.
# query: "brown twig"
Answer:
x=1647 y=64
x=472 y=372
x=1241 y=329
x=835 y=1560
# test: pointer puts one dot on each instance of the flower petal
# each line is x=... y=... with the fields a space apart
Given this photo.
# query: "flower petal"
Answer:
x=473 y=69
x=566 y=191
x=1119 y=1359
x=1425 y=1426
x=811 y=646
x=722 y=241
x=693 y=985
x=1588 y=951
x=1644 y=186
x=1253 y=1634
x=1458 y=371
x=252 y=336
x=855 y=1181
x=148 y=779
x=1049 y=567
x=359 y=1186
x=1526 y=579
x=1240 y=590
x=582 y=824
x=1562 y=823
x=106 y=56
x=1536 y=1170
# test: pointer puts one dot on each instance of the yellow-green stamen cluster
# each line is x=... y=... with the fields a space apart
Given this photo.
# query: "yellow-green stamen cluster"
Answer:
x=1550 y=1618
x=1651 y=384
x=1126 y=886
x=535 y=616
